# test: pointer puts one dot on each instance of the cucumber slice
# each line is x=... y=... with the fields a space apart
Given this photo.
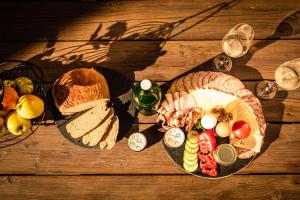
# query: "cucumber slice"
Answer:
x=191 y=150
x=190 y=168
x=190 y=162
x=190 y=156
x=192 y=145
x=192 y=136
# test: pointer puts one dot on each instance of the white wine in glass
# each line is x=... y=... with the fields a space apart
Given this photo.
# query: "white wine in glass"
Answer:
x=235 y=44
x=287 y=77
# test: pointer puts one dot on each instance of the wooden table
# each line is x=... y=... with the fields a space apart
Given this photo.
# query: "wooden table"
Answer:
x=160 y=41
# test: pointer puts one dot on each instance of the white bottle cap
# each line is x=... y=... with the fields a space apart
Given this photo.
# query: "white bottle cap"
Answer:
x=146 y=84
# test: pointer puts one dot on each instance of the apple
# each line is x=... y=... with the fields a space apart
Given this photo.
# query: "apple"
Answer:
x=16 y=124
x=241 y=129
x=30 y=106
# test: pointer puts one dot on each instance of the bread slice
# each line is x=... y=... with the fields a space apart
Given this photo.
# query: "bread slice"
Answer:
x=109 y=139
x=94 y=137
x=113 y=133
x=79 y=90
x=87 y=121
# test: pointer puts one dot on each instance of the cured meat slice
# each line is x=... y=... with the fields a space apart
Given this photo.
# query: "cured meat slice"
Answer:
x=195 y=80
x=205 y=80
x=244 y=153
x=187 y=82
x=233 y=84
x=180 y=85
x=173 y=86
x=219 y=81
x=200 y=79
x=166 y=105
x=214 y=76
x=176 y=100
x=169 y=98
x=242 y=93
x=183 y=98
x=190 y=102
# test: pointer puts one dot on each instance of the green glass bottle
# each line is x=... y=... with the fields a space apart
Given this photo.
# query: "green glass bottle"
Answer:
x=147 y=96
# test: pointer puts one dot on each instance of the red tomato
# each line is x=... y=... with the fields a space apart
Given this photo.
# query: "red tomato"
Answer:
x=241 y=129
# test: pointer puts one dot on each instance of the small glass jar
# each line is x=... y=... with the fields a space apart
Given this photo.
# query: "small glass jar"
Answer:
x=225 y=154
x=174 y=137
x=137 y=141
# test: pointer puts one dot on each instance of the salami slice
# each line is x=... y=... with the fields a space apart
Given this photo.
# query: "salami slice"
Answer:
x=200 y=79
x=180 y=85
x=195 y=81
x=173 y=86
x=187 y=82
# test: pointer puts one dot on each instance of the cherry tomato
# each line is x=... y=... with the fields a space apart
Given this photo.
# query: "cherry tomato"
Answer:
x=241 y=129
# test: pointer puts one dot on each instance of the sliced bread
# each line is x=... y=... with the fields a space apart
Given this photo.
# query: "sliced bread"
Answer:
x=113 y=130
x=113 y=133
x=94 y=137
x=87 y=121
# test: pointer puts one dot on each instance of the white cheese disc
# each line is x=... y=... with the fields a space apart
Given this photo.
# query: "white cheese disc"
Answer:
x=208 y=121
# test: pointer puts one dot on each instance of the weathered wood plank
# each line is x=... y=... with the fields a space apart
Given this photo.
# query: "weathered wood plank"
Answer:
x=156 y=60
x=149 y=187
x=140 y=20
x=48 y=152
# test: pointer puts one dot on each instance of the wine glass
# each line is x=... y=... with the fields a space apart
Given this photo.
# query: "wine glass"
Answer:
x=287 y=76
x=235 y=44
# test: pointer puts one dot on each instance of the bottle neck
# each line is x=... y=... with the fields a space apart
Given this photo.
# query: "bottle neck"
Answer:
x=145 y=92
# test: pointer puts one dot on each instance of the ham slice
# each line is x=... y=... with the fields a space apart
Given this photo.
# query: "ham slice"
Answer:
x=169 y=98
x=183 y=98
x=166 y=106
x=176 y=100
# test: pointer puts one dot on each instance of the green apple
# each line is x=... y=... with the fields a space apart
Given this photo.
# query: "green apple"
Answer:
x=30 y=106
x=16 y=124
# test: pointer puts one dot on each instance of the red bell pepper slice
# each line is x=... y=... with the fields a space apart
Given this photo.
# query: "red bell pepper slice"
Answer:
x=207 y=142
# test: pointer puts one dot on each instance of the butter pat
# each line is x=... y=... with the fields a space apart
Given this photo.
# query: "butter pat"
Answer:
x=253 y=142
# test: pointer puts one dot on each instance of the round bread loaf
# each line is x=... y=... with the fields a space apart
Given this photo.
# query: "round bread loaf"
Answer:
x=80 y=89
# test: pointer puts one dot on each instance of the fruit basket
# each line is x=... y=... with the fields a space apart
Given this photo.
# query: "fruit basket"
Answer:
x=213 y=125
x=12 y=70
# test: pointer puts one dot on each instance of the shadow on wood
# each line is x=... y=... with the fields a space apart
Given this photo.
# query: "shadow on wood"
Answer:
x=106 y=54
